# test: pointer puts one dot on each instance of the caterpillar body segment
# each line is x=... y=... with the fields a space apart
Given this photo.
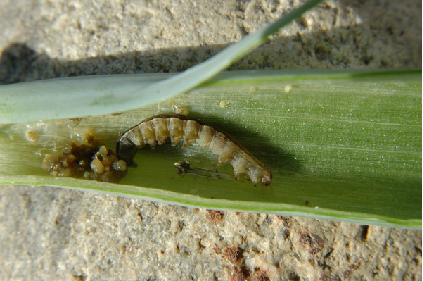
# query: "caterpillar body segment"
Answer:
x=157 y=129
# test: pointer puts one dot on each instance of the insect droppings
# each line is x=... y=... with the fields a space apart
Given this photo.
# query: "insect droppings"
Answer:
x=91 y=161
x=157 y=129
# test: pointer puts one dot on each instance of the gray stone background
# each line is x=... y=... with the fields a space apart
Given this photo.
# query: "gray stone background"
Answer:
x=54 y=234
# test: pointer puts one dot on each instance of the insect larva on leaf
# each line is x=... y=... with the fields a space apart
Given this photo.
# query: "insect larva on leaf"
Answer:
x=157 y=129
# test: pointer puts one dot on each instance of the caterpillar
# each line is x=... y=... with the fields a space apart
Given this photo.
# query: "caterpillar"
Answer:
x=157 y=129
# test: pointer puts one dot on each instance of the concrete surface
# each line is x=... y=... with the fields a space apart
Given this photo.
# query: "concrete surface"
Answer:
x=54 y=234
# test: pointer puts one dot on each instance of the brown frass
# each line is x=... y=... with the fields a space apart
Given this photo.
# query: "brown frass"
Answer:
x=90 y=161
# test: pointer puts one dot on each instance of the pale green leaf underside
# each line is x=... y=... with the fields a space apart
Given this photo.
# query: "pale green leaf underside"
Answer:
x=347 y=148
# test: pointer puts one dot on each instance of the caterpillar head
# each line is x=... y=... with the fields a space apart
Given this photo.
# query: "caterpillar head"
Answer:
x=266 y=179
x=126 y=151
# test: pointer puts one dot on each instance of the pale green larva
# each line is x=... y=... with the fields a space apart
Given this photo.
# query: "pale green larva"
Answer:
x=157 y=129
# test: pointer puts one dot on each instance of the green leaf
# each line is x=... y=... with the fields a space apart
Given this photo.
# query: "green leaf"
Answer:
x=342 y=146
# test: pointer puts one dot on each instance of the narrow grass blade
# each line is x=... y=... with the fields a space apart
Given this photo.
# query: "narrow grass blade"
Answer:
x=346 y=148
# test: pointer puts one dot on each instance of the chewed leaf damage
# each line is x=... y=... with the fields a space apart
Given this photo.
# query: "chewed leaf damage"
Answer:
x=157 y=129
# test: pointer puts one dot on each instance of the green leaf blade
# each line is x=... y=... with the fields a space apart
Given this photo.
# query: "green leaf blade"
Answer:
x=347 y=148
